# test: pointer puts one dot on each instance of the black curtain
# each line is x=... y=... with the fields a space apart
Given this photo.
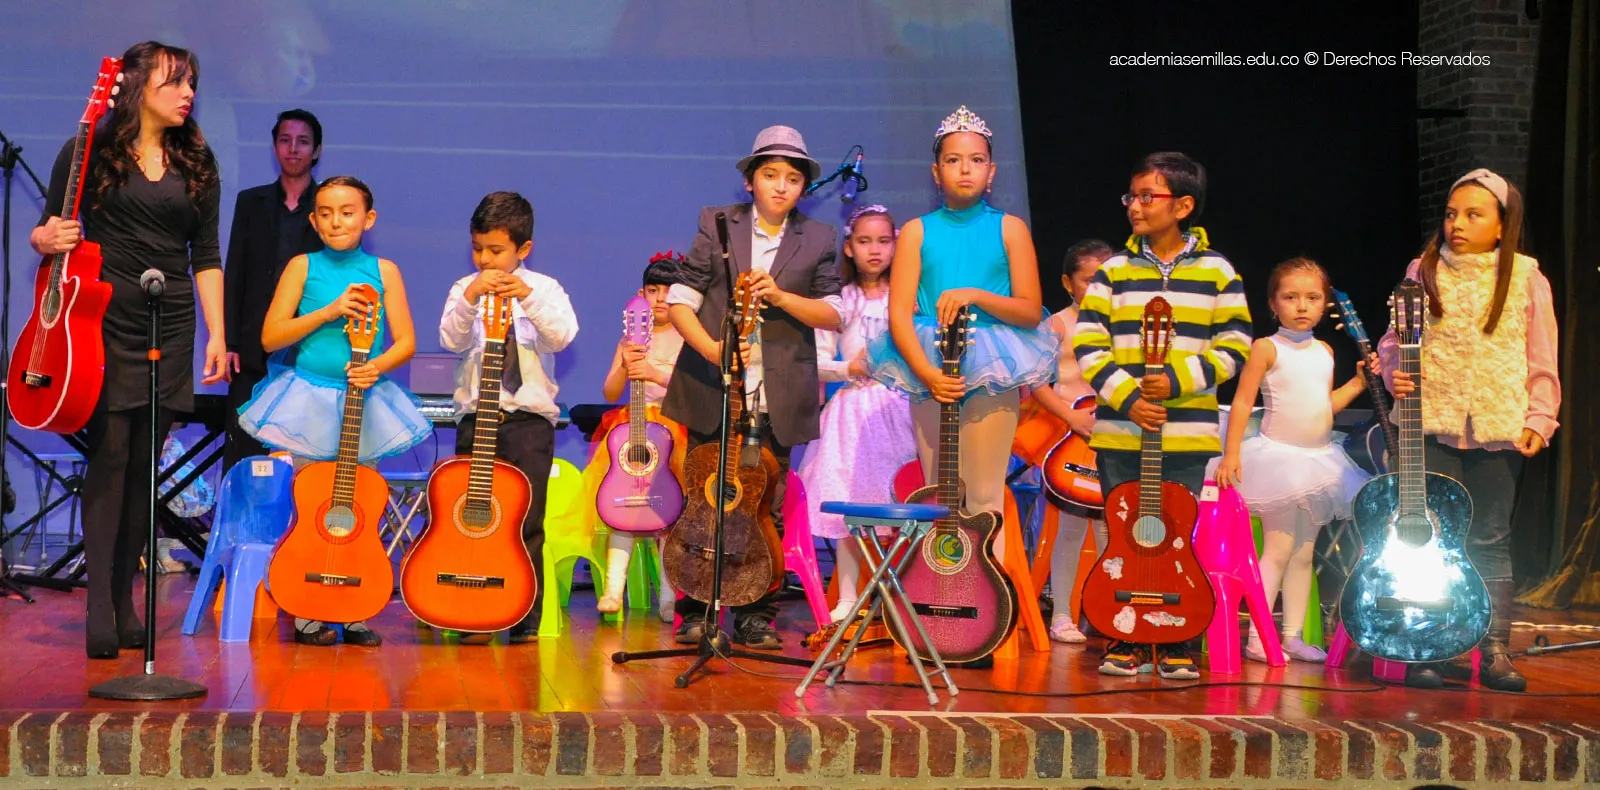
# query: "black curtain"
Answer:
x=1559 y=507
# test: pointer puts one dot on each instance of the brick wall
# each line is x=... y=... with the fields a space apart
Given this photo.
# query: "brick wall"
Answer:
x=1498 y=99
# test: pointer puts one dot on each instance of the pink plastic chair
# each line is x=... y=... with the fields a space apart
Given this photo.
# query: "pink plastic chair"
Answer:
x=800 y=551
x=1343 y=647
x=1226 y=548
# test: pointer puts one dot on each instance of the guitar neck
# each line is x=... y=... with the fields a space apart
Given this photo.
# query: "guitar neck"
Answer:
x=1380 y=398
x=636 y=413
x=344 y=477
x=949 y=471
x=1409 y=453
x=1150 y=463
x=74 y=196
x=486 y=427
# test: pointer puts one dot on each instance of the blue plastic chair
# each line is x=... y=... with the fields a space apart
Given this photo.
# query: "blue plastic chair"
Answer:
x=253 y=510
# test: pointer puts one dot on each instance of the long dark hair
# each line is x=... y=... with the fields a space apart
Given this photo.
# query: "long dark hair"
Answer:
x=185 y=147
x=1510 y=245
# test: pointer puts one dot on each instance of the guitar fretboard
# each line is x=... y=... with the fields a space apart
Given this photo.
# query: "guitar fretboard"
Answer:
x=344 y=477
x=1409 y=454
x=480 y=480
x=1150 y=464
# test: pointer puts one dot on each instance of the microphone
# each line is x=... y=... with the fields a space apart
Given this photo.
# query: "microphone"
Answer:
x=852 y=180
x=153 y=282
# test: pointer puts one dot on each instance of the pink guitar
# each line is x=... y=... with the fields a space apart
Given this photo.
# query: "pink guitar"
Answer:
x=639 y=492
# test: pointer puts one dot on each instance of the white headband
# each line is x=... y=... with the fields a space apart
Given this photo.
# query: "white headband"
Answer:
x=1488 y=179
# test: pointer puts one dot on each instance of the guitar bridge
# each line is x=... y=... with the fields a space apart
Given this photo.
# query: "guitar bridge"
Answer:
x=33 y=379
x=1138 y=598
x=641 y=500
x=956 y=612
x=471 y=582
x=1389 y=603
x=333 y=580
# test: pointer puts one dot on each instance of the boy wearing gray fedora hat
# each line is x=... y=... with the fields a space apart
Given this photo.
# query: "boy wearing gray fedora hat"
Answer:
x=791 y=259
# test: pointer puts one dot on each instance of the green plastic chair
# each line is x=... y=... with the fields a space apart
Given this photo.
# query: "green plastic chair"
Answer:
x=644 y=574
x=1311 y=630
x=571 y=532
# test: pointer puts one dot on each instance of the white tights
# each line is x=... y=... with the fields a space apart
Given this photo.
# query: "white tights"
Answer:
x=1288 y=543
x=1064 y=559
x=988 y=424
x=619 y=549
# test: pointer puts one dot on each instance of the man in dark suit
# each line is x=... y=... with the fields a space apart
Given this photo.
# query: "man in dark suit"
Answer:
x=792 y=260
x=271 y=224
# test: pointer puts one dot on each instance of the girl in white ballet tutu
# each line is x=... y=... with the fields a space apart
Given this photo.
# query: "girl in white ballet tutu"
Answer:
x=1292 y=475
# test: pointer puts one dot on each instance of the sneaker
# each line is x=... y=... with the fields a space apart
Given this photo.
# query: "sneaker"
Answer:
x=1174 y=663
x=690 y=632
x=1126 y=659
x=362 y=637
x=758 y=635
x=1064 y=630
x=320 y=636
x=476 y=638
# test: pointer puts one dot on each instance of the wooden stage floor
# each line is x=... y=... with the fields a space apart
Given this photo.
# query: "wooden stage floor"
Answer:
x=417 y=676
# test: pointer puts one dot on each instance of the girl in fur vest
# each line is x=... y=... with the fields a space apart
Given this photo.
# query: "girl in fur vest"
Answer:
x=1490 y=333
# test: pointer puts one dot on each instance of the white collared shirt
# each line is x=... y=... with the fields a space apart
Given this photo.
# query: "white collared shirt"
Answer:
x=545 y=324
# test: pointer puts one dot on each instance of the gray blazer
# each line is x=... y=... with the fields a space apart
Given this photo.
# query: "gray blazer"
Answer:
x=806 y=265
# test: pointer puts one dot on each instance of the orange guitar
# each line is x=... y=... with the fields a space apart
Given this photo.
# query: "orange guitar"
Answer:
x=471 y=571
x=1071 y=477
x=331 y=565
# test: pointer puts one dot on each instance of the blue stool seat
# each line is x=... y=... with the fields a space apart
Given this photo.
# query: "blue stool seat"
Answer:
x=886 y=511
x=408 y=476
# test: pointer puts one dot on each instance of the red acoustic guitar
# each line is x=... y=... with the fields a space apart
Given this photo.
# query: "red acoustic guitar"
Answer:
x=1069 y=471
x=59 y=362
x=1148 y=587
x=331 y=565
x=471 y=571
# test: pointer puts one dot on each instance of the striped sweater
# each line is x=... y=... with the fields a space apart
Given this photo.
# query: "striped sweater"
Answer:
x=1211 y=340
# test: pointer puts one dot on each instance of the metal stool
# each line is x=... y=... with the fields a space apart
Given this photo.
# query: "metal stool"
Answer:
x=408 y=494
x=911 y=522
x=45 y=474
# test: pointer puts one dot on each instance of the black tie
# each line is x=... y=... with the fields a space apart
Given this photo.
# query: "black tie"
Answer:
x=510 y=370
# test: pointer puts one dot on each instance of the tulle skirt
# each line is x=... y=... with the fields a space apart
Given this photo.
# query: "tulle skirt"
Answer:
x=300 y=412
x=866 y=437
x=1001 y=358
x=1280 y=478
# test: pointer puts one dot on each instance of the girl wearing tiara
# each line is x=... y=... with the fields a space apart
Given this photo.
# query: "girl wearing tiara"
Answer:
x=1293 y=476
x=967 y=254
x=866 y=427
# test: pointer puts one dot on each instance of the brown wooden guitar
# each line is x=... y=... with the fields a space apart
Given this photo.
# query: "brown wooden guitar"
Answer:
x=331 y=565
x=751 y=549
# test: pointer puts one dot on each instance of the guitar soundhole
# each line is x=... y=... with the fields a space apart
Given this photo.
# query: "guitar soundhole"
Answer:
x=51 y=306
x=731 y=493
x=947 y=552
x=1413 y=530
x=477 y=517
x=639 y=459
x=339 y=521
x=1149 y=532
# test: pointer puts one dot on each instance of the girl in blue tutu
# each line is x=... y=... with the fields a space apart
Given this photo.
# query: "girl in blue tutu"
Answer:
x=299 y=407
x=966 y=254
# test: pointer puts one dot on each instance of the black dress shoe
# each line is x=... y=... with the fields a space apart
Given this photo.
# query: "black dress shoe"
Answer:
x=362 y=637
x=1423 y=676
x=690 y=632
x=322 y=637
x=100 y=648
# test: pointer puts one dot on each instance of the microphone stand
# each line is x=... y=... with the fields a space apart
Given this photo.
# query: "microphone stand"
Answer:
x=844 y=167
x=149 y=685
x=714 y=642
x=10 y=157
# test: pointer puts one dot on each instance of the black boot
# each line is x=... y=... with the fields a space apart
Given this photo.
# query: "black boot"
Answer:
x=1423 y=676
x=1494 y=666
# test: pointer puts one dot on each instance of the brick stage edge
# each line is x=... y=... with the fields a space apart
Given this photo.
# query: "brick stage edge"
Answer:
x=423 y=711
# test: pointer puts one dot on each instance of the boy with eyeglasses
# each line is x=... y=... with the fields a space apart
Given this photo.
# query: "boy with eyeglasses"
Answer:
x=1170 y=256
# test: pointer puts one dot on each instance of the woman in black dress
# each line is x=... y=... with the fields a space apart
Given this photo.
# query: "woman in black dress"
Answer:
x=151 y=192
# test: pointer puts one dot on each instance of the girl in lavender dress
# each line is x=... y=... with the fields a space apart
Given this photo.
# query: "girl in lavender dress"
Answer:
x=866 y=427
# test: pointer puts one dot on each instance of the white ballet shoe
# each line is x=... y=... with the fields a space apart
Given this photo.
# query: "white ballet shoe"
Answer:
x=1255 y=651
x=1297 y=649
x=609 y=603
x=1066 y=631
x=843 y=609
